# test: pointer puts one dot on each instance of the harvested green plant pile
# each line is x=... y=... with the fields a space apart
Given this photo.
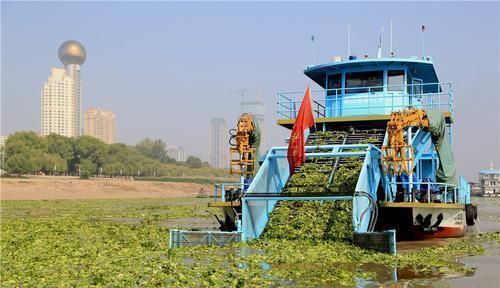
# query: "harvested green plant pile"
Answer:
x=327 y=137
x=313 y=220
x=313 y=178
x=327 y=220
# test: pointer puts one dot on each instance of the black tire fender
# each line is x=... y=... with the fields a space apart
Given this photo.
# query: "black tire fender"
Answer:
x=470 y=214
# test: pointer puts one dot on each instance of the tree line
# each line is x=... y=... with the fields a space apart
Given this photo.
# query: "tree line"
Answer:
x=29 y=153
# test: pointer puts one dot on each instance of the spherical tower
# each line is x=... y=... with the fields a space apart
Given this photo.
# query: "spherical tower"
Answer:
x=72 y=52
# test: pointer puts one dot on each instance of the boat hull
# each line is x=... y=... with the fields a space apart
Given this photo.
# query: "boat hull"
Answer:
x=438 y=222
x=414 y=221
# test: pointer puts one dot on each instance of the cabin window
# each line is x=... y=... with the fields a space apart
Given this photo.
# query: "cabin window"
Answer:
x=334 y=82
x=363 y=80
x=395 y=80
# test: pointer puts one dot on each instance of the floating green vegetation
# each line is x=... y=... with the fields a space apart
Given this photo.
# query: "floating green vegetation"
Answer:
x=89 y=242
x=306 y=263
x=59 y=244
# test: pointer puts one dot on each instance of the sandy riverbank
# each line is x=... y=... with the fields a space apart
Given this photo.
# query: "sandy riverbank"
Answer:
x=50 y=188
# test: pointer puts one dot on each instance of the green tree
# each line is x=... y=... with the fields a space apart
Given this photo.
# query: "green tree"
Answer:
x=155 y=149
x=92 y=149
x=60 y=145
x=37 y=160
x=19 y=164
x=193 y=162
x=24 y=143
x=23 y=151
x=59 y=154
x=114 y=169
x=87 y=168
x=2 y=157
x=54 y=164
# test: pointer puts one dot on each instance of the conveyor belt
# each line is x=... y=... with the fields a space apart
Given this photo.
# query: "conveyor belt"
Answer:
x=328 y=166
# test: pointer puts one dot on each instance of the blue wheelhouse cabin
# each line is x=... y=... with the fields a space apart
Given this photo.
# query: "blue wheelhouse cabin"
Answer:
x=363 y=93
x=368 y=90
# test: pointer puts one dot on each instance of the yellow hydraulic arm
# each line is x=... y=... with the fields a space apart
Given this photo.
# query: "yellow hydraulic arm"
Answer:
x=397 y=155
x=242 y=152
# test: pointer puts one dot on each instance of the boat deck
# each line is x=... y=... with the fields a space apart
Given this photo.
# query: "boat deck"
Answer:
x=224 y=204
x=421 y=205
x=331 y=121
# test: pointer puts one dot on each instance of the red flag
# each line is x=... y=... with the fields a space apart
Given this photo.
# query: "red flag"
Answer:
x=296 y=147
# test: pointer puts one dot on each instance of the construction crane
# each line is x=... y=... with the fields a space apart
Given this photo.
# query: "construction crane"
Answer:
x=244 y=142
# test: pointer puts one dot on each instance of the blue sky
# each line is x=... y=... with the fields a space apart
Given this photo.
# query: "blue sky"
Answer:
x=166 y=68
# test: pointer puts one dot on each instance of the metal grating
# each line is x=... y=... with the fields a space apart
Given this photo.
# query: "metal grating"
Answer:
x=182 y=238
x=378 y=241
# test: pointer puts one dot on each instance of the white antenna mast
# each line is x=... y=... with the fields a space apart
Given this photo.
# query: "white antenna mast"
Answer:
x=348 y=40
x=379 y=50
x=390 y=48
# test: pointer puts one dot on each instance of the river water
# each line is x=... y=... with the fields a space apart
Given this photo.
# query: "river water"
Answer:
x=486 y=271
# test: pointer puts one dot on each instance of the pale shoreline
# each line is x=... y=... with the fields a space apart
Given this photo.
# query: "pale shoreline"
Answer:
x=64 y=187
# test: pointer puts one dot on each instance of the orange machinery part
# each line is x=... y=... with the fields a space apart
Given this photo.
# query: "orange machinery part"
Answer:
x=242 y=153
x=398 y=156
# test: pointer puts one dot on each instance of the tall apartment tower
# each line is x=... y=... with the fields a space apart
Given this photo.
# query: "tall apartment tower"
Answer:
x=61 y=94
x=258 y=111
x=219 y=146
x=100 y=124
x=177 y=153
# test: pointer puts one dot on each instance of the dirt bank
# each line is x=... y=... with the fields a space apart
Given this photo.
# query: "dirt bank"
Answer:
x=48 y=188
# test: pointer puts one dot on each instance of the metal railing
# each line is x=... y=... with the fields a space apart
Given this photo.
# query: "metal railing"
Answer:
x=182 y=238
x=375 y=100
x=442 y=189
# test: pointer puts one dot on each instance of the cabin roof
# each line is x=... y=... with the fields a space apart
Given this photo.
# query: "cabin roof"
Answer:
x=422 y=69
x=490 y=171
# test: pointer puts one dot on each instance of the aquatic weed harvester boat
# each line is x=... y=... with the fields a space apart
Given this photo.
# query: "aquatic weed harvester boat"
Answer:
x=381 y=141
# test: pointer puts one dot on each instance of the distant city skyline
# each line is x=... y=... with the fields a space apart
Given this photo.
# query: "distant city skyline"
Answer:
x=177 y=153
x=167 y=68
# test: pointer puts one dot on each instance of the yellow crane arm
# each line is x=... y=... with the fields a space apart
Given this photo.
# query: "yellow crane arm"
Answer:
x=398 y=156
x=242 y=152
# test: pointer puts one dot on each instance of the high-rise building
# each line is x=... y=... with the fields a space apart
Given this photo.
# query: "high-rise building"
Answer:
x=100 y=124
x=61 y=94
x=258 y=111
x=219 y=146
x=177 y=153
